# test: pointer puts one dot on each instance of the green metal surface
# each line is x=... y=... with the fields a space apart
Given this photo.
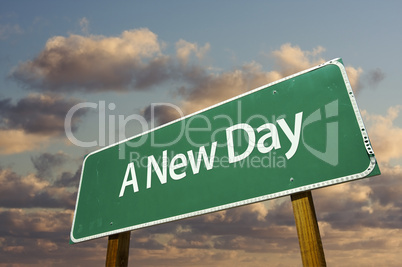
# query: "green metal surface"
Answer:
x=333 y=148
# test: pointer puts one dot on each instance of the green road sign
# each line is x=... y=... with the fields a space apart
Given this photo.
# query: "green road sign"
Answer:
x=299 y=133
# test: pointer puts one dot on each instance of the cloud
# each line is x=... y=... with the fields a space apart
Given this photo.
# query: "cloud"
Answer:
x=45 y=163
x=354 y=78
x=203 y=87
x=40 y=221
x=162 y=113
x=37 y=114
x=39 y=237
x=222 y=238
x=95 y=63
x=371 y=202
x=360 y=79
x=36 y=216
x=384 y=134
x=17 y=141
x=385 y=194
x=363 y=246
x=374 y=77
x=184 y=50
x=8 y=30
x=216 y=230
x=291 y=59
x=208 y=88
x=68 y=179
x=34 y=121
x=31 y=191
x=135 y=61
x=351 y=208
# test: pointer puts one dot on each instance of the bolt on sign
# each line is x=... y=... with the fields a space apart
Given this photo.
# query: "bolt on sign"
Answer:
x=300 y=133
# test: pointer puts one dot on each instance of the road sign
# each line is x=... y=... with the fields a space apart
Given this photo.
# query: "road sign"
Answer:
x=297 y=134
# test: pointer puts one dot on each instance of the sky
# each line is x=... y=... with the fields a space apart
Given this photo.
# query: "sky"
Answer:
x=123 y=57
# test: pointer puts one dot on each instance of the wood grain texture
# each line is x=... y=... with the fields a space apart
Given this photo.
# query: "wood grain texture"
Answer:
x=311 y=248
x=118 y=247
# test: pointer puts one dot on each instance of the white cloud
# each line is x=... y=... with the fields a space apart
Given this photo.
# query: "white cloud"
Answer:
x=354 y=77
x=385 y=136
x=17 y=141
x=184 y=50
x=208 y=88
x=94 y=63
x=291 y=59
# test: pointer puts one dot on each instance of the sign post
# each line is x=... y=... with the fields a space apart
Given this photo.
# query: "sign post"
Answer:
x=311 y=248
x=294 y=135
x=118 y=246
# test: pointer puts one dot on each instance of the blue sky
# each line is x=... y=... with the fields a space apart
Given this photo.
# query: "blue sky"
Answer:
x=365 y=34
x=236 y=45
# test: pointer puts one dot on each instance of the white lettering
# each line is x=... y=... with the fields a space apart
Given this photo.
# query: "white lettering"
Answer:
x=68 y=123
x=268 y=141
x=294 y=138
x=202 y=153
x=162 y=175
x=251 y=141
x=130 y=170
x=173 y=166
x=272 y=134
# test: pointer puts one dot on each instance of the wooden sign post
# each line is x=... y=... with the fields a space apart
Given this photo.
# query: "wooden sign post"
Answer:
x=118 y=247
x=308 y=232
x=311 y=248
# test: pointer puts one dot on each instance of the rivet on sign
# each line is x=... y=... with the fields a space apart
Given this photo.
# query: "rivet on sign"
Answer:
x=291 y=179
x=274 y=92
x=111 y=223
